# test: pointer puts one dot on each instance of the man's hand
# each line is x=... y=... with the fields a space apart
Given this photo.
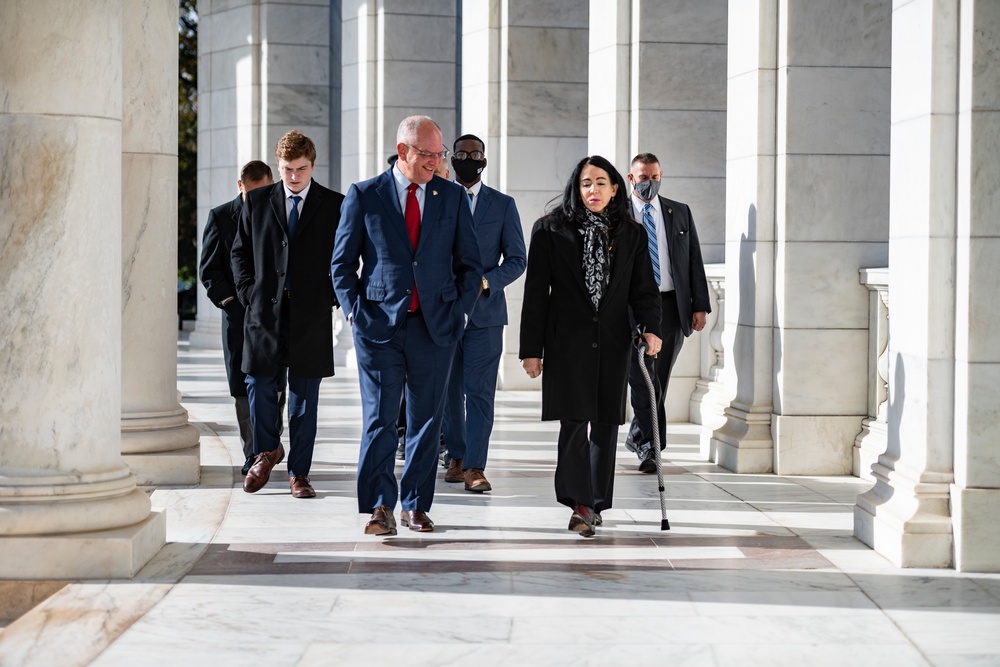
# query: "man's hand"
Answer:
x=532 y=366
x=698 y=320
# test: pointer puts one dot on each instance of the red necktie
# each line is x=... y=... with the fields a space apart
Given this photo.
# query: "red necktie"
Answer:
x=413 y=227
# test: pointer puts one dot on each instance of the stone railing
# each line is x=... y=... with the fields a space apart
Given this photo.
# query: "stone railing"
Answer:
x=709 y=399
x=871 y=442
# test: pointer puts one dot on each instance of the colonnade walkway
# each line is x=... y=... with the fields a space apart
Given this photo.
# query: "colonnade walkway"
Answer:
x=756 y=569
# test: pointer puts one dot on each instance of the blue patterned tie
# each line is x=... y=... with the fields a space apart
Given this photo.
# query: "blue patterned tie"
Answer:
x=293 y=215
x=654 y=248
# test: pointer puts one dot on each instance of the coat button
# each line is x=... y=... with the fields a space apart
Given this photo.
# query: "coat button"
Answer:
x=595 y=319
x=414 y=264
x=409 y=291
x=284 y=243
x=594 y=345
x=276 y=301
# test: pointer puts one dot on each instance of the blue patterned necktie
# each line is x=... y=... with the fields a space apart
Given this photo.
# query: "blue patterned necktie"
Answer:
x=472 y=198
x=654 y=248
x=293 y=215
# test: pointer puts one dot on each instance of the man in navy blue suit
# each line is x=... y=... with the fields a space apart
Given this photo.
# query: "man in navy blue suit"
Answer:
x=410 y=233
x=468 y=418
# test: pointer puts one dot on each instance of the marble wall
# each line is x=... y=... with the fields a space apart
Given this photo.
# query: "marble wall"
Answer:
x=398 y=60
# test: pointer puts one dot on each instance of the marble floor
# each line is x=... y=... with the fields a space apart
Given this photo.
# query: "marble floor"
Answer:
x=755 y=570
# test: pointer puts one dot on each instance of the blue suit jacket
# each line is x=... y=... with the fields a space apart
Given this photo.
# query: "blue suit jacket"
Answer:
x=498 y=228
x=445 y=267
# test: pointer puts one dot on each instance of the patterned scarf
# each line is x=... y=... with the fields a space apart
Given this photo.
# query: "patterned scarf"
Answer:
x=596 y=260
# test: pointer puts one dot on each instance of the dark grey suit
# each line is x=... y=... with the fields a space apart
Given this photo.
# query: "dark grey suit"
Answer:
x=690 y=295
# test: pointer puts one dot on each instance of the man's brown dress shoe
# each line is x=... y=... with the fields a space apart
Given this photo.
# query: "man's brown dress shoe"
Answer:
x=301 y=488
x=260 y=471
x=454 y=472
x=416 y=520
x=476 y=481
x=382 y=522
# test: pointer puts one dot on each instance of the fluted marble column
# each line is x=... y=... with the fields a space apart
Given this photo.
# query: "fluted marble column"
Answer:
x=69 y=505
x=157 y=441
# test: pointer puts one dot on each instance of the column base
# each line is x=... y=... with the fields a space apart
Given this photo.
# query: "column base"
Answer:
x=977 y=542
x=743 y=444
x=906 y=521
x=161 y=448
x=708 y=409
x=180 y=467
x=814 y=444
x=107 y=554
x=870 y=444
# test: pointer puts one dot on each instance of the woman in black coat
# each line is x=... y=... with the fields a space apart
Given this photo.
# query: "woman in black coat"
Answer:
x=588 y=263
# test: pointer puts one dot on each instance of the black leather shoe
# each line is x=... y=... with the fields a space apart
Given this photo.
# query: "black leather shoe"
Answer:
x=401 y=448
x=647 y=458
x=247 y=464
x=598 y=521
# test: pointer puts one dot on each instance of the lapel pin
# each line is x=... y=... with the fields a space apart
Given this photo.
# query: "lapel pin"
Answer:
x=434 y=192
x=670 y=210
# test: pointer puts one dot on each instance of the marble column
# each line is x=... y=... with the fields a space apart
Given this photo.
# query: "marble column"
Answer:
x=976 y=492
x=906 y=514
x=543 y=47
x=69 y=505
x=658 y=85
x=797 y=250
x=743 y=443
x=832 y=219
x=157 y=441
x=398 y=60
x=263 y=69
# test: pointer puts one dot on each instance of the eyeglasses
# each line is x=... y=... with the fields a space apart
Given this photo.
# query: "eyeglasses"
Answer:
x=474 y=155
x=443 y=155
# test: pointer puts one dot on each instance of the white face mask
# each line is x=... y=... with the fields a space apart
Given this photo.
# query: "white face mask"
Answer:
x=646 y=190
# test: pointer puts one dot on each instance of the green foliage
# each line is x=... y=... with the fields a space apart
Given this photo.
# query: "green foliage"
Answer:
x=187 y=141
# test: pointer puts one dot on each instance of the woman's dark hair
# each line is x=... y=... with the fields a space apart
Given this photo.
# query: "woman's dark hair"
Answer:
x=571 y=207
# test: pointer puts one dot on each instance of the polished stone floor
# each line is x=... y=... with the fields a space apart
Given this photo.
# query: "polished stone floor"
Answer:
x=755 y=570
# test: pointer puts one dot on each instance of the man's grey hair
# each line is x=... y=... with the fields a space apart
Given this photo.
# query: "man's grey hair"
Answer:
x=410 y=126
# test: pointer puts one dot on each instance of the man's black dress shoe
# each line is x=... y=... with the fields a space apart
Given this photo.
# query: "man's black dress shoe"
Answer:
x=247 y=464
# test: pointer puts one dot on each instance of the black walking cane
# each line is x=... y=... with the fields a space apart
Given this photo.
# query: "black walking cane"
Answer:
x=642 y=347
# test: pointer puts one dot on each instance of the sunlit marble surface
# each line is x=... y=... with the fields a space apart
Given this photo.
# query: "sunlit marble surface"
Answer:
x=756 y=569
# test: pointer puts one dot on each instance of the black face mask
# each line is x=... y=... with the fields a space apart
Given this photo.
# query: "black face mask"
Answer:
x=468 y=170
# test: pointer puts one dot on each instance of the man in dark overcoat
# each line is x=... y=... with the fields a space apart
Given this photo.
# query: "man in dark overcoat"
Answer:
x=281 y=263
